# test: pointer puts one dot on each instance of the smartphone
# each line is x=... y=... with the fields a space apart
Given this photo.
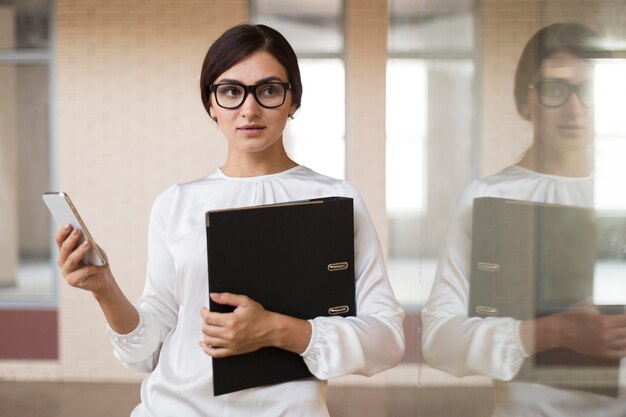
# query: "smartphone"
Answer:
x=64 y=212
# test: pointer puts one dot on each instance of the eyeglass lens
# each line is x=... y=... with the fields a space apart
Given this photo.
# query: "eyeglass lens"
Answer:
x=556 y=93
x=269 y=95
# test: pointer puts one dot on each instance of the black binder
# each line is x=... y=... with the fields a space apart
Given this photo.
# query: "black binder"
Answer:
x=294 y=258
x=533 y=259
x=528 y=258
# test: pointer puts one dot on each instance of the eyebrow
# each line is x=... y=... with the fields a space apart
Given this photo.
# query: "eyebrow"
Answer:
x=270 y=79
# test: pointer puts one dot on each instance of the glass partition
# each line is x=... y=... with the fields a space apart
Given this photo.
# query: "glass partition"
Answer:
x=431 y=96
x=526 y=244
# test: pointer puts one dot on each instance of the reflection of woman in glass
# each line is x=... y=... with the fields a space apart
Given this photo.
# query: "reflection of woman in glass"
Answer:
x=250 y=85
x=553 y=91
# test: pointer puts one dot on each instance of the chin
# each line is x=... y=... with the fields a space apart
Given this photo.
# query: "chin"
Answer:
x=253 y=147
x=574 y=144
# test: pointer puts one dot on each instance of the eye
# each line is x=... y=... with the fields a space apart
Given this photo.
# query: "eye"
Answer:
x=270 y=90
x=553 y=89
x=230 y=91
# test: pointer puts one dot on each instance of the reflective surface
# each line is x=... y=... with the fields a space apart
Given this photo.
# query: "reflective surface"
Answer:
x=27 y=22
x=310 y=26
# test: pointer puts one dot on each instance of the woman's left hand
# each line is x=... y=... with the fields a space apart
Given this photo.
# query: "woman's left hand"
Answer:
x=246 y=329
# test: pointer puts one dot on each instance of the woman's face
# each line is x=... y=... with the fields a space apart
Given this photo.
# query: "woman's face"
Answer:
x=252 y=128
x=562 y=78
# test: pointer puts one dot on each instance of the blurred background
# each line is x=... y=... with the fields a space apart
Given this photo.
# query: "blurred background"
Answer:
x=407 y=99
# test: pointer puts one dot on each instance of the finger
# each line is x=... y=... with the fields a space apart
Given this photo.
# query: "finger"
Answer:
x=215 y=352
x=616 y=339
x=214 y=341
x=62 y=234
x=209 y=317
x=210 y=330
x=219 y=352
x=617 y=320
x=226 y=298
x=205 y=313
x=68 y=245
x=216 y=319
x=74 y=259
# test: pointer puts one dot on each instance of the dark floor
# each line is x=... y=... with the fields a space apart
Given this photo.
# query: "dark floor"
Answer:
x=22 y=399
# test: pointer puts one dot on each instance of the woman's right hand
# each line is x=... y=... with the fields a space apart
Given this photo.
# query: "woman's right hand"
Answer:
x=586 y=330
x=96 y=279
x=121 y=315
x=582 y=328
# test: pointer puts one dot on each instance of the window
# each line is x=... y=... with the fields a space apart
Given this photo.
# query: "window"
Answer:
x=26 y=274
x=407 y=121
x=316 y=136
x=610 y=144
x=430 y=133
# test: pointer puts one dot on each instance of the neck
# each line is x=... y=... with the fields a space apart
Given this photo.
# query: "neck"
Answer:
x=243 y=164
x=568 y=163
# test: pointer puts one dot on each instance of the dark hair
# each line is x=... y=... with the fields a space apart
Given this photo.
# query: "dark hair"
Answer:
x=574 y=38
x=241 y=41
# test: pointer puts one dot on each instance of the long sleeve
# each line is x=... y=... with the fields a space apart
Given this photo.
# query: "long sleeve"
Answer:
x=452 y=341
x=373 y=340
x=139 y=349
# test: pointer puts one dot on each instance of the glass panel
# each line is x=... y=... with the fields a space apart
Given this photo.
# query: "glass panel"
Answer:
x=610 y=126
x=431 y=26
x=407 y=120
x=528 y=151
x=24 y=24
x=429 y=148
x=26 y=272
x=320 y=146
x=310 y=26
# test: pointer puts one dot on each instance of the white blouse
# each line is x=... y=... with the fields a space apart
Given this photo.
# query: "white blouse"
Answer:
x=460 y=345
x=165 y=343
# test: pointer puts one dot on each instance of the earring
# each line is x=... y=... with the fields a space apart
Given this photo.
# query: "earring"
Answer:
x=290 y=117
x=214 y=119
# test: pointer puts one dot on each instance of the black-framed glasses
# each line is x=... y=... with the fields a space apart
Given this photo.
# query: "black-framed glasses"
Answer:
x=555 y=93
x=232 y=95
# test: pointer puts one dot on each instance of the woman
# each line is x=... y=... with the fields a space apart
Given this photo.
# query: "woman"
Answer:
x=250 y=86
x=552 y=91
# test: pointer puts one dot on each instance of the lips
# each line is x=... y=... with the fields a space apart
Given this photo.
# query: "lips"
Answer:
x=571 y=127
x=251 y=128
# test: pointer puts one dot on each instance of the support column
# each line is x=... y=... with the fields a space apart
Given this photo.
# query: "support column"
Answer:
x=366 y=63
x=8 y=155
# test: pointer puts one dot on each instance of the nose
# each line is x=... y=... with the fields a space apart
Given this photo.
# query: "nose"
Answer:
x=574 y=104
x=250 y=107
